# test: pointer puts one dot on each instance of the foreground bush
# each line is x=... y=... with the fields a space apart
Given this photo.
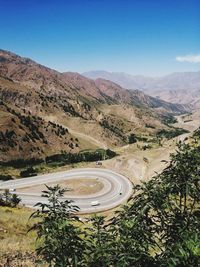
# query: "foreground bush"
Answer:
x=59 y=241
x=9 y=200
x=160 y=225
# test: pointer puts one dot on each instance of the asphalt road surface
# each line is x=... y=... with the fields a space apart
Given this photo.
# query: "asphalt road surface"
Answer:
x=117 y=188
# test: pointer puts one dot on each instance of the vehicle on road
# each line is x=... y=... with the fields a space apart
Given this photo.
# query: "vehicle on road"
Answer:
x=95 y=203
x=12 y=189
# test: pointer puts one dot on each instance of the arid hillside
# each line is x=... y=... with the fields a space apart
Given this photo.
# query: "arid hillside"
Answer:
x=182 y=88
x=44 y=112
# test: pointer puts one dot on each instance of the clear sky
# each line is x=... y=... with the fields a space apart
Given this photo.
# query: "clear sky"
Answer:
x=150 y=37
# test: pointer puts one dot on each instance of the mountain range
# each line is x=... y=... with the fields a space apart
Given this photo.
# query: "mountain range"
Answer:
x=44 y=112
x=182 y=88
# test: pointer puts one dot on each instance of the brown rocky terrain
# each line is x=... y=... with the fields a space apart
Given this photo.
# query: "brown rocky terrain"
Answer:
x=191 y=97
x=136 y=97
x=43 y=112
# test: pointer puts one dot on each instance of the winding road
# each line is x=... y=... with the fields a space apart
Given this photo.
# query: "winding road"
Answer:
x=117 y=188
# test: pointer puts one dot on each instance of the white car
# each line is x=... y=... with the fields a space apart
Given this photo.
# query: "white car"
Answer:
x=95 y=203
x=12 y=189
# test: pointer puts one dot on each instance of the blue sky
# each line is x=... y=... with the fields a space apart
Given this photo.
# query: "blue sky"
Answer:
x=150 y=37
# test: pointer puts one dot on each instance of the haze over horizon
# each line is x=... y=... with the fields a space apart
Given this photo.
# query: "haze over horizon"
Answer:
x=150 y=38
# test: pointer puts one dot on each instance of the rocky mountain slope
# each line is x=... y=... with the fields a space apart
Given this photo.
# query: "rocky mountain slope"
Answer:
x=23 y=132
x=42 y=110
x=123 y=79
x=135 y=97
x=182 y=88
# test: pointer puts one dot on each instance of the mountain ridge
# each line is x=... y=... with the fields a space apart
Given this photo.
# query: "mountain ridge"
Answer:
x=184 y=85
x=52 y=102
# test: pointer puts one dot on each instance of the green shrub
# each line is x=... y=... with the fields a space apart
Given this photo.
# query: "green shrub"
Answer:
x=9 y=200
x=28 y=172
x=5 y=177
x=83 y=156
x=132 y=138
x=171 y=133
x=20 y=163
x=169 y=119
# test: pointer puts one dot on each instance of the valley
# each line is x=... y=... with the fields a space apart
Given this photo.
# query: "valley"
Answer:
x=46 y=115
x=132 y=160
x=129 y=162
x=93 y=137
x=100 y=133
x=44 y=112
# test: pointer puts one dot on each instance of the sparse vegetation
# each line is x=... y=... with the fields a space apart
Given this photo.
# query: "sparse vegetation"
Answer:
x=83 y=156
x=28 y=172
x=5 y=177
x=20 y=163
x=17 y=247
x=107 y=123
x=174 y=132
x=132 y=138
x=142 y=138
x=146 y=146
x=169 y=119
x=150 y=126
x=66 y=158
x=197 y=133
x=9 y=200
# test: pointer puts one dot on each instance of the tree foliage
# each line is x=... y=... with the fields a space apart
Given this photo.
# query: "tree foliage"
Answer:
x=165 y=211
x=59 y=241
x=98 y=243
x=9 y=200
x=159 y=226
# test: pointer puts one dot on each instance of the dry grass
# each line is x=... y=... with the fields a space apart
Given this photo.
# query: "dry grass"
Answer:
x=76 y=186
x=14 y=224
x=17 y=247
